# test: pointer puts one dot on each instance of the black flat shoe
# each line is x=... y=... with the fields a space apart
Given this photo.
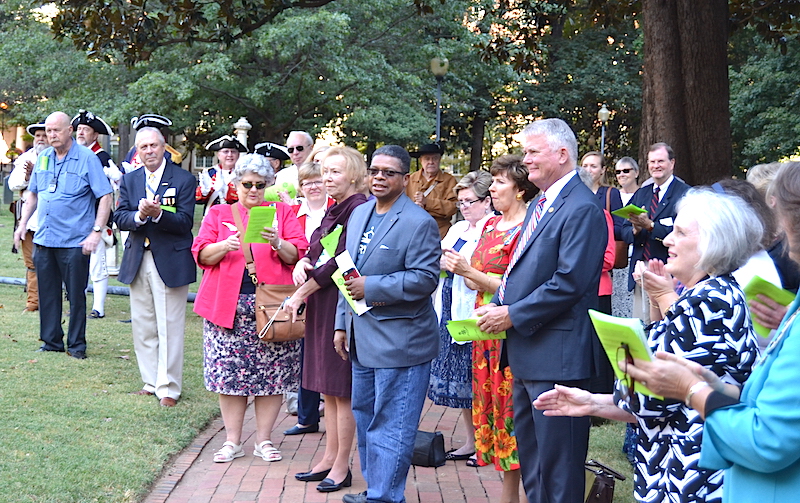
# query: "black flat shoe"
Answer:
x=328 y=486
x=299 y=430
x=95 y=315
x=311 y=476
x=452 y=456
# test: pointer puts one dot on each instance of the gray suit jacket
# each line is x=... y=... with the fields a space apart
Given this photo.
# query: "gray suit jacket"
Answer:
x=401 y=265
x=553 y=285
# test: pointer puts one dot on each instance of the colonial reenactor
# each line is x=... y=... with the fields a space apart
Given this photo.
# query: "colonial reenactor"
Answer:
x=216 y=183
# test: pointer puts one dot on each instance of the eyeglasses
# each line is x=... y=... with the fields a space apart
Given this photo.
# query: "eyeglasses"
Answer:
x=306 y=185
x=259 y=185
x=388 y=173
x=299 y=148
x=467 y=204
x=626 y=170
x=628 y=383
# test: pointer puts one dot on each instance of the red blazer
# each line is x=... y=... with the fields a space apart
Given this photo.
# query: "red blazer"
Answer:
x=218 y=294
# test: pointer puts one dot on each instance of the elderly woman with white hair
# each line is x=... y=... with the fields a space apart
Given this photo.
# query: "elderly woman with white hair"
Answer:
x=236 y=364
x=709 y=324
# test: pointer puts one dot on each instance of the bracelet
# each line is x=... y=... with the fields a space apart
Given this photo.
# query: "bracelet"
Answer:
x=280 y=244
x=693 y=390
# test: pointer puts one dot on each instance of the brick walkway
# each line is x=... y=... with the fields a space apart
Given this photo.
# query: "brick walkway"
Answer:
x=193 y=477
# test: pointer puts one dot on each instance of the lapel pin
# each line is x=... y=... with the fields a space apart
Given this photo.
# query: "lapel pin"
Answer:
x=550 y=209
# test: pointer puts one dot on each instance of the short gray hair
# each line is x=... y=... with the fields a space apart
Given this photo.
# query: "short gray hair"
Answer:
x=301 y=134
x=398 y=153
x=254 y=163
x=479 y=181
x=558 y=135
x=730 y=232
x=149 y=129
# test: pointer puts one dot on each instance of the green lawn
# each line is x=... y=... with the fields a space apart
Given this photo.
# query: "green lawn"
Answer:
x=69 y=430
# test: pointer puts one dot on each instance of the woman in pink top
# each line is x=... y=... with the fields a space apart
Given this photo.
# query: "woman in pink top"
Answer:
x=236 y=363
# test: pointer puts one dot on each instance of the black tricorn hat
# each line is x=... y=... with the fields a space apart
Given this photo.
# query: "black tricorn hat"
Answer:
x=91 y=120
x=430 y=148
x=226 y=141
x=273 y=150
x=32 y=128
x=150 y=120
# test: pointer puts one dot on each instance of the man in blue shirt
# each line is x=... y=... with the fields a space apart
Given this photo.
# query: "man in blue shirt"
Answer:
x=66 y=183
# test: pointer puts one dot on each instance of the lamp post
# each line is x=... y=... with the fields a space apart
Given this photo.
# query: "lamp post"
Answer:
x=603 y=115
x=439 y=67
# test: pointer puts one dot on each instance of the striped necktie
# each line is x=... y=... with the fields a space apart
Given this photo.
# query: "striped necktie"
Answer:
x=521 y=243
x=652 y=214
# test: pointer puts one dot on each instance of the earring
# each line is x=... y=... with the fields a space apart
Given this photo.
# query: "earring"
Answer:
x=519 y=196
x=352 y=181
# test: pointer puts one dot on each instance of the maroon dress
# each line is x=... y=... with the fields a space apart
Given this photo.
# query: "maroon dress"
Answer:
x=324 y=371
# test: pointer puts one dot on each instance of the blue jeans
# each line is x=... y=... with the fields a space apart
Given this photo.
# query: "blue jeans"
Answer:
x=387 y=404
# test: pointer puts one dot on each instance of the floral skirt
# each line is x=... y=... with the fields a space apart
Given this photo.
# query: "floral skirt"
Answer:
x=492 y=408
x=236 y=362
x=450 y=384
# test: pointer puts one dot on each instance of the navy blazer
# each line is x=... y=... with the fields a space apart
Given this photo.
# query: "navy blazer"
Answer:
x=401 y=265
x=662 y=223
x=553 y=285
x=170 y=238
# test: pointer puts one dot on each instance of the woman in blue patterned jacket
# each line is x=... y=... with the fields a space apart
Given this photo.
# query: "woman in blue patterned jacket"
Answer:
x=708 y=324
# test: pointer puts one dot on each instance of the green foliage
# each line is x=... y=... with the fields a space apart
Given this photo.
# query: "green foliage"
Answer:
x=765 y=96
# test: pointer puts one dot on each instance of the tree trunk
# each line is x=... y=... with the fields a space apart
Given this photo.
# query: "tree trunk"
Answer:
x=476 y=150
x=685 y=86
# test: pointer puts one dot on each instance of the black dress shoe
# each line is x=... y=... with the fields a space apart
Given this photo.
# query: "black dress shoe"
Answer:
x=45 y=350
x=299 y=430
x=80 y=355
x=329 y=486
x=311 y=476
x=355 y=498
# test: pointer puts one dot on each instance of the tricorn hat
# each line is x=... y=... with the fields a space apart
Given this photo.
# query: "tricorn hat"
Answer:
x=273 y=150
x=150 y=120
x=93 y=121
x=430 y=148
x=226 y=142
x=32 y=128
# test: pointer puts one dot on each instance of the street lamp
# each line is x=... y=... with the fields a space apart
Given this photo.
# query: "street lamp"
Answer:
x=603 y=115
x=439 y=67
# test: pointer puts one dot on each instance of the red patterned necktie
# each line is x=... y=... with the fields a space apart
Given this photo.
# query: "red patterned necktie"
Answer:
x=523 y=240
x=652 y=214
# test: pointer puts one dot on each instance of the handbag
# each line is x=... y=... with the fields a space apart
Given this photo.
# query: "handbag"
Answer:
x=428 y=449
x=601 y=489
x=620 y=247
x=273 y=321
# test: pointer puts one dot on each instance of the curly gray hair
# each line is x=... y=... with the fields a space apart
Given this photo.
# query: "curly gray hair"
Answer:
x=254 y=163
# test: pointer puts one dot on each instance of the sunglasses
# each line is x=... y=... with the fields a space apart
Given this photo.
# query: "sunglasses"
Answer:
x=259 y=185
x=388 y=173
x=299 y=148
x=626 y=170
x=628 y=383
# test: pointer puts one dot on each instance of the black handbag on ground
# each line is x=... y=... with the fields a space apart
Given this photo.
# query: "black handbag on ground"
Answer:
x=428 y=449
x=602 y=482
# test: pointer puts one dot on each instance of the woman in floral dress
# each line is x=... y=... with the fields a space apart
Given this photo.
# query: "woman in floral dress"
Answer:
x=492 y=410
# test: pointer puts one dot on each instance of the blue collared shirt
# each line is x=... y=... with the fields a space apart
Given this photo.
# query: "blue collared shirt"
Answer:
x=67 y=190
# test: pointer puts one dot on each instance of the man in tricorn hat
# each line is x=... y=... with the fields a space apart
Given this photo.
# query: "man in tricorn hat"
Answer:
x=18 y=180
x=216 y=183
x=88 y=127
x=431 y=188
x=275 y=153
x=159 y=122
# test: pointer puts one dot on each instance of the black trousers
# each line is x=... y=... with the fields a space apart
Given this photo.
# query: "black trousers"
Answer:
x=55 y=266
x=307 y=401
x=552 y=450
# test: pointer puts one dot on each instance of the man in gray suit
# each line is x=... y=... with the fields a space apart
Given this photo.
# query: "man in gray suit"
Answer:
x=542 y=303
x=395 y=246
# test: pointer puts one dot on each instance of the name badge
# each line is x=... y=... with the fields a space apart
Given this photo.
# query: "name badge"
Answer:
x=52 y=186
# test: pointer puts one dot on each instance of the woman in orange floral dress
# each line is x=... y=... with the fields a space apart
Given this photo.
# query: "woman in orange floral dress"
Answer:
x=492 y=410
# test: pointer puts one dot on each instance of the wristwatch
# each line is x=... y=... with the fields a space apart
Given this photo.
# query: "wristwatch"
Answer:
x=97 y=228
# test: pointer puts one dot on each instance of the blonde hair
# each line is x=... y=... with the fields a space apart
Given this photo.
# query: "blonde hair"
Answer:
x=354 y=165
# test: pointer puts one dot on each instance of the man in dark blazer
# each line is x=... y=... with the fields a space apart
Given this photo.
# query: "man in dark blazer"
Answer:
x=156 y=205
x=542 y=303
x=648 y=230
x=395 y=246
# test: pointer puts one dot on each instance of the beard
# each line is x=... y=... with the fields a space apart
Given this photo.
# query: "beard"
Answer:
x=38 y=148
